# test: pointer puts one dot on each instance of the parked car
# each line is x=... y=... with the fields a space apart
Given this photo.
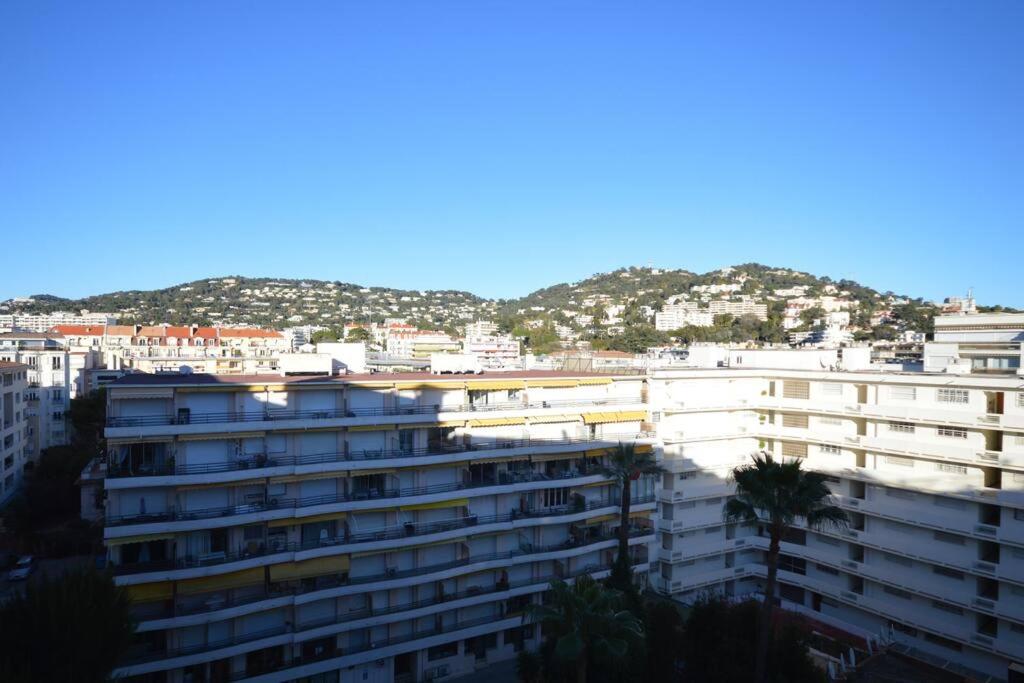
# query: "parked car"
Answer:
x=22 y=569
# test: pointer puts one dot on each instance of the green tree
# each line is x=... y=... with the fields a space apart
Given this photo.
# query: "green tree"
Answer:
x=358 y=334
x=626 y=465
x=71 y=628
x=321 y=336
x=778 y=493
x=587 y=623
x=637 y=339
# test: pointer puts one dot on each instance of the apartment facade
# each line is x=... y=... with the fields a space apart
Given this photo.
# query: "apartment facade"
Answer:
x=15 y=444
x=929 y=467
x=359 y=527
x=16 y=322
x=49 y=387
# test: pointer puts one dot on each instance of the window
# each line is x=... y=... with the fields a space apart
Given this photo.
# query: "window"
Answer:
x=903 y=393
x=831 y=421
x=948 y=573
x=896 y=559
x=795 y=389
x=952 y=396
x=952 y=432
x=56 y=362
x=902 y=594
x=825 y=569
x=828 y=449
x=901 y=427
x=950 y=469
x=794 y=450
x=57 y=394
x=797 y=421
x=555 y=497
x=792 y=564
x=713 y=501
x=952 y=609
x=683 y=476
x=951 y=503
x=1020 y=399
x=442 y=651
x=899 y=461
x=944 y=537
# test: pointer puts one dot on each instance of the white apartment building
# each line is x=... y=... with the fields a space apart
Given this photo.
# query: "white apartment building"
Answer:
x=481 y=328
x=15 y=444
x=16 y=322
x=684 y=314
x=929 y=467
x=738 y=308
x=494 y=352
x=419 y=344
x=49 y=385
x=359 y=527
x=979 y=343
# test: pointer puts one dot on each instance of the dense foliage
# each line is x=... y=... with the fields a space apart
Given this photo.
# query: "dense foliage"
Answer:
x=70 y=628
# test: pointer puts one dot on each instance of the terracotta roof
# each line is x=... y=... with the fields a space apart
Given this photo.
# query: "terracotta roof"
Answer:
x=11 y=364
x=151 y=331
x=121 y=330
x=206 y=332
x=181 y=331
x=143 y=379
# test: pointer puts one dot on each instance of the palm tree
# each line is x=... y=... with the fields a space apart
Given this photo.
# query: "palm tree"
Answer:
x=778 y=493
x=586 y=621
x=626 y=465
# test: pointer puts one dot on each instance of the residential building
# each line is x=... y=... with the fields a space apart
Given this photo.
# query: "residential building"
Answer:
x=928 y=466
x=739 y=308
x=978 y=343
x=49 y=384
x=494 y=352
x=684 y=314
x=419 y=344
x=481 y=328
x=359 y=527
x=17 y=322
x=16 y=449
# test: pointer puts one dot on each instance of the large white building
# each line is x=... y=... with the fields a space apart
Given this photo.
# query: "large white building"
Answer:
x=359 y=527
x=50 y=384
x=928 y=465
x=17 y=322
x=16 y=449
x=494 y=352
x=683 y=314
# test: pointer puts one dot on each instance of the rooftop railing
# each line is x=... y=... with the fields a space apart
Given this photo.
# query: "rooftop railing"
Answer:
x=335 y=413
x=407 y=530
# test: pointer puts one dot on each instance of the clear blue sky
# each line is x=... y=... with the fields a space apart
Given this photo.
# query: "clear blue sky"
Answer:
x=501 y=147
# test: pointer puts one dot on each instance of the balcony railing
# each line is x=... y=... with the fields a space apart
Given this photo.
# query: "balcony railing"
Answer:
x=363 y=613
x=175 y=515
x=407 y=530
x=272 y=415
x=338 y=580
x=260 y=461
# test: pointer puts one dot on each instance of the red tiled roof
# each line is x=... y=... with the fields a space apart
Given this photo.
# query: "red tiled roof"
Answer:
x=180 y=331
x=151 y=331
x=121 y=330
x=77 y=329
x=206 y=332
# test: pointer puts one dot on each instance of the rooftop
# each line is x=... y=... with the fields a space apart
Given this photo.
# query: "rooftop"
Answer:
x=8 y=364
x=142 y=379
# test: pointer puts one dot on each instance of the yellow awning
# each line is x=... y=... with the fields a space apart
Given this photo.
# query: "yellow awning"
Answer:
x=148 y=592
x=643 y=448
x=495 y=385
x=630 y=415
x=145 y=538
x=458 y=502
x=139 y=439
x=597 y=452
x=547 y=457
x=504 y=458
x=548 y=419
x=598 y=418
x=320 y=566
x=247 y=435
x=640 y=513
x=595 y=484
x=451 y=423
x=246 y=577
x=365 y=473
x=598 y=520
x=534 y=383
x=212 y=436
x=431 y=385
x=497 y=421
x=372 y=428
x=589 y=381
x=417 y=425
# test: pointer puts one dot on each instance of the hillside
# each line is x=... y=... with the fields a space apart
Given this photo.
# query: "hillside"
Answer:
x=602 y=308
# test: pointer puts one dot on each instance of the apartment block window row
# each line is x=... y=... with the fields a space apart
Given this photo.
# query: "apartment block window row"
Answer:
x=953 y=396
x=950 y=469
x=903 y=393
x=899 y=461
x=791 y=449
x=796 y=421
x=796 y=389
x=832 y=389
x=829 y=449
x=901 y=427
x=1020 y=399
x=952 y=432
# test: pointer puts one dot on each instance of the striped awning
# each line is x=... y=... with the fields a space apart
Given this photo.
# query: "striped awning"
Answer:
x=488 y=461
x=549 y=419
x=139 y=439
x=144 y=538
x=497 y=421
x=417 y=425
x=211 y=436
x=205 y=584
x=548 y=457
x=320 y=566
x=290 y=521
x=495 y=385
x=618 y=416
x=365 y=473
x=600 y=520
x=149 y=592
x=552 y=383
x=590 y=381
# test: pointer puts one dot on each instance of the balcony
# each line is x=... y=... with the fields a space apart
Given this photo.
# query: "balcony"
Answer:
x=276 y=504
x=278 y=415
x=168 y=467
x=407 y=530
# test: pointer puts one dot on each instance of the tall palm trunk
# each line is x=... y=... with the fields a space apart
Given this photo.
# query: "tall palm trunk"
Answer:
x=627 y=493
x=767 y=608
